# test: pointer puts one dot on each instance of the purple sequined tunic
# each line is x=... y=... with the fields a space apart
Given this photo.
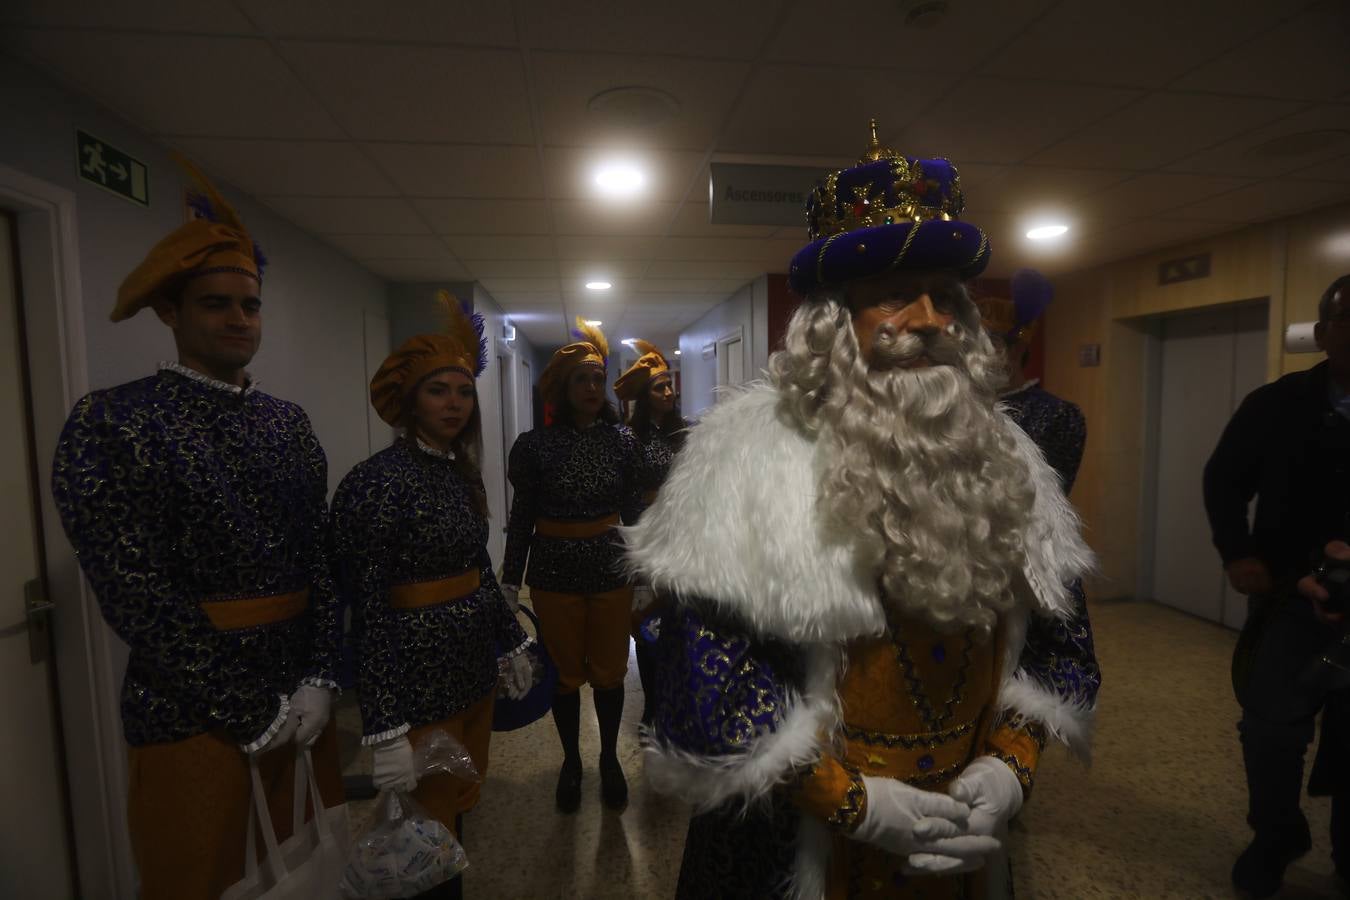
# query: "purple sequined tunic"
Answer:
x=404 y=516
x=176 y=489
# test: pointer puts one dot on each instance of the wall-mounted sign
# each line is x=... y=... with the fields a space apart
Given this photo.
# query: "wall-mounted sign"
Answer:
x=1188 y=269
x=1090 y=355
x=741 y=194
x=104 y=165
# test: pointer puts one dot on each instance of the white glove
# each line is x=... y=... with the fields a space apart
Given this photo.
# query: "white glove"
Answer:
x=994 y=795
x=899 y=818
x=313 y=705
x=511 y=594
x=518 y=677
x=643 y=597
x=282 y=736
x=394 y=764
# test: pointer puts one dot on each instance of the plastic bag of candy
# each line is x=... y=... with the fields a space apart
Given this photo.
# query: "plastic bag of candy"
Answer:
x=404 y=851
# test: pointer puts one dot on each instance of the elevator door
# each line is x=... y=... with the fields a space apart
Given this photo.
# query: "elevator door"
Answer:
x=1210 y=361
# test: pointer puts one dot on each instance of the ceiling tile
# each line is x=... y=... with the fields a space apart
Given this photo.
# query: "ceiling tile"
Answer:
x=514 y=268
x=196 y=16
x=501 y=285
x=1302 y=59
x=565 y=83
x=706 y=269
x=571 y=171
x=298 y=168
x=348 y=215
x=493 y=216
x=602 y=247
x=183 y=84
x=390 y=246
x=598 y=217
x=1264 y=201
x=1162 y=128
x=666 y=286
x=501 y=247
x=1104 y=43
x=1245 y=155
x=409 y=20
x=822 y=110
x=461 y=170
x=416 y=93
x=1336 y=170
x=615 y=271
x=413 y=270
x=846 y=35
x=1004 y=121
x=1032 y=190
x=1154 y=193
x=706 y=28
x=768 y=251
x=692 y=221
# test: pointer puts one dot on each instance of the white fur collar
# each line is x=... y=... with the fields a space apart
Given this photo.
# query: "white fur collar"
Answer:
x=735 y=524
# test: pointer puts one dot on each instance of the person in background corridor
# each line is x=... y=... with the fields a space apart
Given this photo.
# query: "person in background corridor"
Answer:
x=1288 y=445
x=410 y=550
x=660 y=431
x=846 y=695
x=574 y=480
x=196 y=504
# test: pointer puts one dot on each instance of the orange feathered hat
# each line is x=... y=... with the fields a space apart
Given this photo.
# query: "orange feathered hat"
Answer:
x=461 y=347
x=649 y=366
x=215 y=242
x=591 y=350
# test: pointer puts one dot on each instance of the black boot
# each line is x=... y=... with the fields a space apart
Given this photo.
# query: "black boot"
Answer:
x=1274 y=787
x=646 y=664
x=567 y=718
x=609 y=712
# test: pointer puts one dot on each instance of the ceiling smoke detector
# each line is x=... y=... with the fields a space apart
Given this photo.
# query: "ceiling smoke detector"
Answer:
x=1300 y=144
x=633 y=107
x=923 y=13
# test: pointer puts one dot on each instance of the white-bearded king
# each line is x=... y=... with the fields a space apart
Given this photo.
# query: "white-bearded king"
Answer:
x=873 y=639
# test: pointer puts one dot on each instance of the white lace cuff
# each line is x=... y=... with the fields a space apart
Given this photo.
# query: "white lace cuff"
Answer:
x=316 y=681
x=271 y=729
x=524 y=645
x=371 y=740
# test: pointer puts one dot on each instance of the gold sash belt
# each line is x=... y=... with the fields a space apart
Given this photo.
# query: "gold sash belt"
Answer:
x=249 y=612
x=431 y=593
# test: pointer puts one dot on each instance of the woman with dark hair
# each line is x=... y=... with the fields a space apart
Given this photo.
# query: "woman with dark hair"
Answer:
x=660 y=430
x=574 y=480
x=410 y=550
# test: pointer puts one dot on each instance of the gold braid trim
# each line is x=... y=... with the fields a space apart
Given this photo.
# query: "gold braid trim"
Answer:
x=850 y=812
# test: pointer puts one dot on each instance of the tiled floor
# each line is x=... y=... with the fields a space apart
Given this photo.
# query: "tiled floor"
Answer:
x=1159 y=815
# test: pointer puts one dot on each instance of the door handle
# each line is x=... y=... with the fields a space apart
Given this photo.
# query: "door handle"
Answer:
x=38 y=611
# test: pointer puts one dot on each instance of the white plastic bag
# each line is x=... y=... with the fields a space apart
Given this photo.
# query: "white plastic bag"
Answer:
x=405 y=852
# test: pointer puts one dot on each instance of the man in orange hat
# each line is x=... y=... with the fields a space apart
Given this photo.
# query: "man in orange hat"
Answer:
x=196 y=505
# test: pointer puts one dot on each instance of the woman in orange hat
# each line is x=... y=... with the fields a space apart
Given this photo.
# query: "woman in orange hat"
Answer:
x=649 y=387
x=410 y=551
x=574 y=479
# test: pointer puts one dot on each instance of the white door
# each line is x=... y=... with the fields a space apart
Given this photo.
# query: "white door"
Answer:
x=1210 y=361
x=36 y=858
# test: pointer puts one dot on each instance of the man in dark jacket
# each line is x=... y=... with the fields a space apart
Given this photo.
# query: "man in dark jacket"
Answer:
x=1289 y=446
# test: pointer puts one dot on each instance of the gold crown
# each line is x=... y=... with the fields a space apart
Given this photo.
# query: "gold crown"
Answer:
x=884 y=188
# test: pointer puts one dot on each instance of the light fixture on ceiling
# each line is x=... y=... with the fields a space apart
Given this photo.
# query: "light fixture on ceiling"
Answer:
x=628 y=341
x=1047 y=232
x=677 y=353
x=620 y=179
x=632 y=107
x=598 y=285
x=923 y=13
x=594 y=323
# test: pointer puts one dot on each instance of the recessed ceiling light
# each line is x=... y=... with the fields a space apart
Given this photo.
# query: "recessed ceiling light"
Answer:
x=594 y=323
x=677 y=353
x=1045 y=232
x=620 y=179
x=629 y=341
x=599 y=285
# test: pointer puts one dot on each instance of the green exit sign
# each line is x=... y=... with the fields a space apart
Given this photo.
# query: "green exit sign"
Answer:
x=104 y=165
